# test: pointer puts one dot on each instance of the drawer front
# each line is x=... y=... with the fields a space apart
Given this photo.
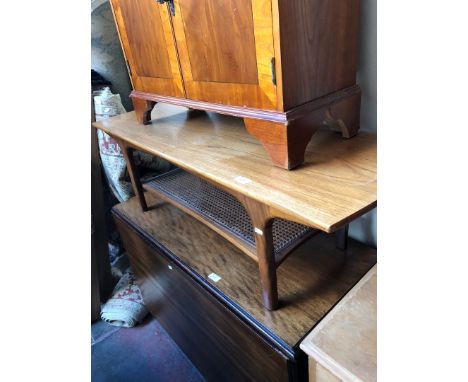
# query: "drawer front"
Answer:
x=221 y=346
x=145 y=33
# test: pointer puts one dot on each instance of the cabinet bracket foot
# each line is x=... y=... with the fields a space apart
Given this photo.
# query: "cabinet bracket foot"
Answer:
x=143 y=109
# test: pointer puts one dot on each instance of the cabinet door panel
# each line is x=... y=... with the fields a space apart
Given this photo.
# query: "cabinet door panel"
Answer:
x=146 y=35
x=228 y=54
x=225 y=49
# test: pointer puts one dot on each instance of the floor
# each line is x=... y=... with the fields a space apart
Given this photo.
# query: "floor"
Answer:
x=144 y=353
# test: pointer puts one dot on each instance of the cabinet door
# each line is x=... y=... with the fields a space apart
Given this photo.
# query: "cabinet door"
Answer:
x=146 y=35
x=225 y=49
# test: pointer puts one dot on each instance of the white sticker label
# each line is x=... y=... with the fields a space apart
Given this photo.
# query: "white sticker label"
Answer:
x=258 y=230
x=242 y=180
x=214 y=277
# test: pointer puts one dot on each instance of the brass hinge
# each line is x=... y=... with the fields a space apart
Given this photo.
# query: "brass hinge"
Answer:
x=273 y=70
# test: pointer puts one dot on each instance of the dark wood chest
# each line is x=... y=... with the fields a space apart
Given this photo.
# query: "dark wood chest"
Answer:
x=205 y=293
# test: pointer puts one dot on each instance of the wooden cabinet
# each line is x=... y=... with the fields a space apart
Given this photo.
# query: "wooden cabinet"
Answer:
x=221 y=346
x=286 y=67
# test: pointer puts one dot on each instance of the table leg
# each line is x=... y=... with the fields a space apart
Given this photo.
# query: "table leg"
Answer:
x=133 y=172
x=262 y=220
x=341 y=238
x=267 y=264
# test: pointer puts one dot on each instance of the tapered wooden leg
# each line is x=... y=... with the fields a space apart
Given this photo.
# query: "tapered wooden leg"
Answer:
x=341 y=238
x=143 y=109
x=263 y=231
x=285 y=142
x=132 y=170
x=267 y=265
x=344 y=115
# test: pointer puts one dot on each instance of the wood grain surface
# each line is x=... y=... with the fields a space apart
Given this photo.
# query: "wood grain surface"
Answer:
x=310 y=282
x=335 y=185
x=319 y=45
x=226 y=29
x=222 y=347
x=225 y=49
x=354 y=322
x=146 y=36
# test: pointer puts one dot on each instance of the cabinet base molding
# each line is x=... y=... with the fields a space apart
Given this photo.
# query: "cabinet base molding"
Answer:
x=284 y=135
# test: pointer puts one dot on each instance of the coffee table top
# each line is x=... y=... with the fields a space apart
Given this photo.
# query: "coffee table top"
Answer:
x=336 y=184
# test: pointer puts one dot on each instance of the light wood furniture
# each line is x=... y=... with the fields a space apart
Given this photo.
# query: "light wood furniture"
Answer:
x=336 y=184
x=343 y=346
x=220 y=322
x=286 y=67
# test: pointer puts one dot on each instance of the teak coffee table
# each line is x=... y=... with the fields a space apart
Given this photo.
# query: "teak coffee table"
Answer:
x=226 y=180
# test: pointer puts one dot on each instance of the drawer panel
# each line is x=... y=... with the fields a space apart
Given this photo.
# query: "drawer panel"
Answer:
x=221 y=346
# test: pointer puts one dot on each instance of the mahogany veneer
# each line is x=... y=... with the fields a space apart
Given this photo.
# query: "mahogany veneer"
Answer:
x=286 y=67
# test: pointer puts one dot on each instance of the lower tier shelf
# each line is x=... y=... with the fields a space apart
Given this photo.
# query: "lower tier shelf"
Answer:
x=224 y=213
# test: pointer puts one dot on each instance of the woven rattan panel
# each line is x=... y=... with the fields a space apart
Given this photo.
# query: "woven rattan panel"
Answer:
x=223 y=209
